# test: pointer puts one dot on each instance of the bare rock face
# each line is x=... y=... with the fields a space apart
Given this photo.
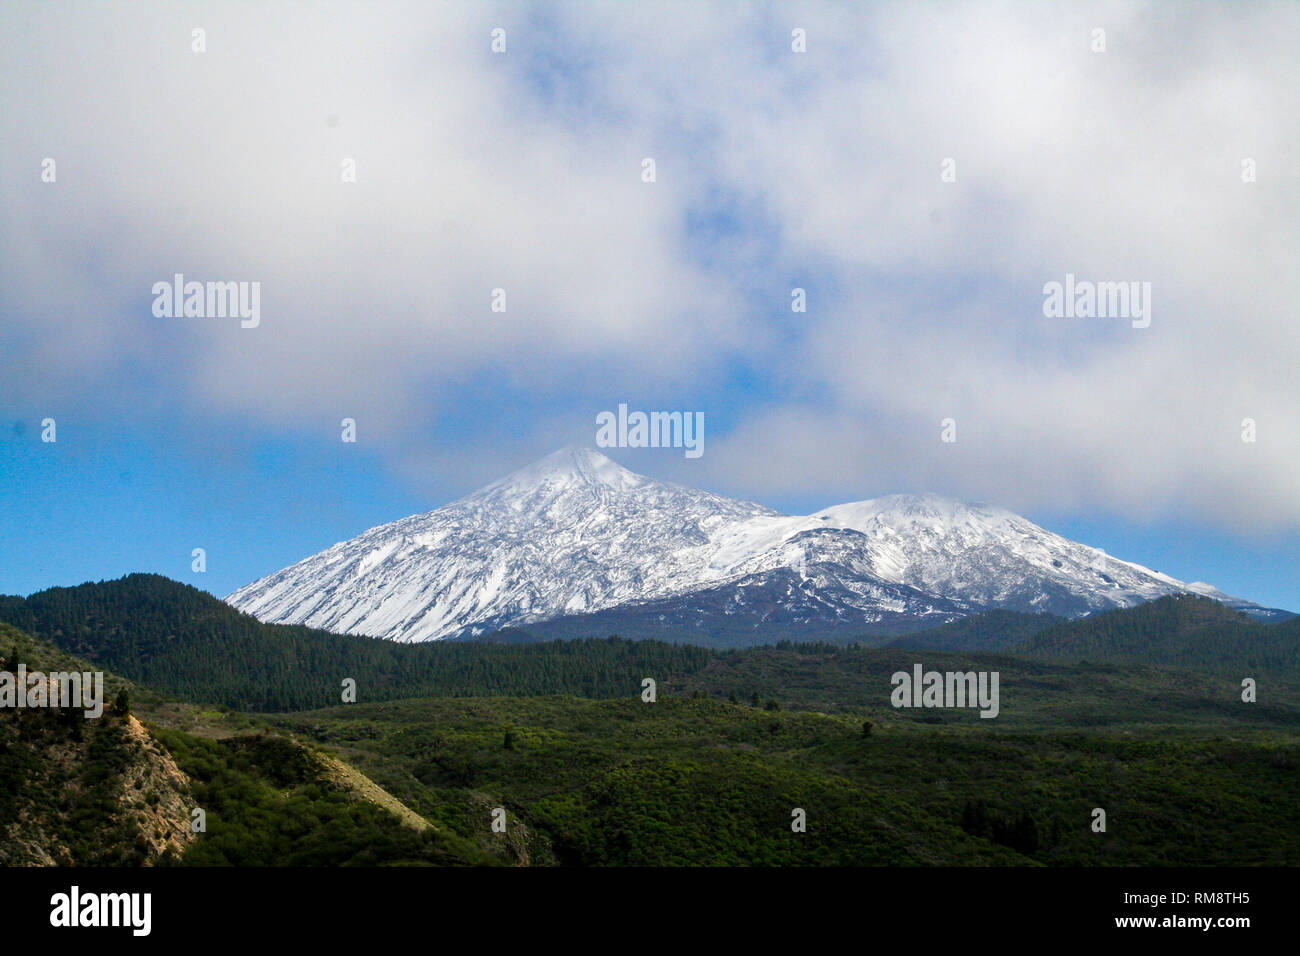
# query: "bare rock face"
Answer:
x=165 y=824
x=104 y=793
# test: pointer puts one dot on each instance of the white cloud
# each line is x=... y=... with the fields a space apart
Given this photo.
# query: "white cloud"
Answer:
x=521 y=171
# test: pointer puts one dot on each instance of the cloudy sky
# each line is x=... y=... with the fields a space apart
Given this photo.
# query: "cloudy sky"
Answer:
x=1169 y=158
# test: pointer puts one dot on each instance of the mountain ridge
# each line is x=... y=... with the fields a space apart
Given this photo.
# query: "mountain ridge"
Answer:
x=576 y=534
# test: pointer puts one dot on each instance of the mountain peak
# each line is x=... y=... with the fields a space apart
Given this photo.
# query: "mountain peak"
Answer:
x=572 y=465
x=928 y=503
x=577 y=458
x=575 y=533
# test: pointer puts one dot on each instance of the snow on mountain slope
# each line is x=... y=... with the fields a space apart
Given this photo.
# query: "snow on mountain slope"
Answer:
x=575 y=533
x=993 y=557
x=571 y=533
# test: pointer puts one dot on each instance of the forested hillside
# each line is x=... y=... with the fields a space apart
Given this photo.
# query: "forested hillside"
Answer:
x=1182 y=631
x=991 y=631
x=119 y=791
x=712 y=771
x=709 y=782
x=184 y=641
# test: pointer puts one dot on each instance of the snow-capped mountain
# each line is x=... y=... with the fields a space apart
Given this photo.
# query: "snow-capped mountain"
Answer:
x=577 y=534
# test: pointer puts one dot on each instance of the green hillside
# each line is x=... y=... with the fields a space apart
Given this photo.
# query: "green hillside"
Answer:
x=83 y=792
x=706 y=782
x=114 y=791
x=1179 y=631
x=181 y=640
x=1034 y=693
x=1138 y=713
x=990 y=631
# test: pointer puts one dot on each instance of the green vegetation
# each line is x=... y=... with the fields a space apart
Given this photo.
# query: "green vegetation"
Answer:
x=66 y=783
x=1036 y=694
x=1186 y=632
x=990 y=631
x=180 y=640
x=1183 y=631
x=712 y=773
x=107 y=792
x=57 y=789
x=183 y=641
x=706 y=782
x=271 y=802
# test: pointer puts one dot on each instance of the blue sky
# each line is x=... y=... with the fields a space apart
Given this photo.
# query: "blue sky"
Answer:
x=522 y=170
